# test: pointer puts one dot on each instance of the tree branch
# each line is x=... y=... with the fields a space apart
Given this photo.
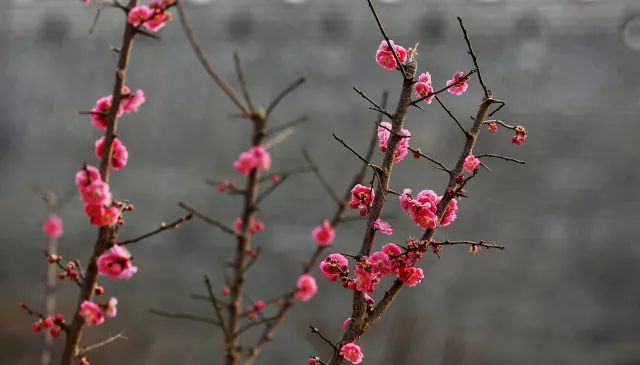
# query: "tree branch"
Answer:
x=163 y=227
x=207 y=219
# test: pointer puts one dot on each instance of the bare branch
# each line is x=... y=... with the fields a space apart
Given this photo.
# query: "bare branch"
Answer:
x=466 y=133
x=284 y=93
x=186 y=316
x=163 y=227
x=316 y=331
x=290 y=124
x=119 y=336
x=506 y=158
x=364 y=160
x=241 y=80
x=320 y=177
x=207 y=219
x=216 y=308
x=473 y=56
x=376 y=107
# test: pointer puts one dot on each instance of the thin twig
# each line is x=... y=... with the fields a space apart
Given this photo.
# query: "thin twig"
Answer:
x=286 y=125
x=364 y=160
x=195 y=44
x=469 y=243
x=216 y=307
x=473 y=56
x=323 y=181
x=506 y=158
x=163 y=227
x=316 y=331
x=119 y=336
x=466 y=133
x=207 y=219
x=384 y=34
x=376 y=107
x=186 y=316
x=284 y=93
x=241 y=80
x=439 y=165
x=255 y=323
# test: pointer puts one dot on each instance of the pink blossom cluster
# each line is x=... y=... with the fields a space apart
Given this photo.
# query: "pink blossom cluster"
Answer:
x=95 y=314
x=402 y=148
x=361 y=198
x=53 y=227
x=130 y=102
x=257 y=157
x=369 y=270
x=306 y=287
x=423 y=209
x=520 y=136
x=119 y=154
x=255 y=226
x=385 y=58
x=96 y=195
x=116 y=263
x=324 y=233
x=153 y=17
x=54 y=324
x=383 y=227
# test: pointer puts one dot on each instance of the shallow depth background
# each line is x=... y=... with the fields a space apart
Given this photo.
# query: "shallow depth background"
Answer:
x=564 y=291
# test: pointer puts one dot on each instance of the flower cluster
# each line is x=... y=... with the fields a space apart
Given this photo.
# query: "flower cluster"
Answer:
x=385 y=58
x=255 y=226
x=423 y=88
x=402 y=148
x=361 y=198
x=119 y=154
x=383 y=227
x=130 y=102
x=423 y=209
x=153 y=17
x=96 y=195
x=116 y=263
x=95 y=314
x=520 y=136
x=54 y=324
x=257 y=157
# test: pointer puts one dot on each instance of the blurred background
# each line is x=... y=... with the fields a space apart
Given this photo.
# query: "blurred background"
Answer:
x=564 y=291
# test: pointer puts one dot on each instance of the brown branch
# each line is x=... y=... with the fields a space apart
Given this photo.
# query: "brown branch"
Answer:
x=316 y=331
x=207 y=219
x=241 y=80
x=439 y=165
x=216 y=308
x=376 y=107
x=321 y=178
x=466 y=133
x=88 y=348
x=163 y=227
x=293 y=123
x=197 y=49
x=506 y=158
x=346 y=145
x=468 y=243
x=252 y=324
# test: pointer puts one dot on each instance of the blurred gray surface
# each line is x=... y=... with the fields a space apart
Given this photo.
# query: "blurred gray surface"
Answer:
x=565 y=291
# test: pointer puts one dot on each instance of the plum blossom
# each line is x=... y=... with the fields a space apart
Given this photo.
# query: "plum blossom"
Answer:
x=361 y=198
x=410 y=276
x=98 y=114
x=159 y=20
x=102 y=216
x=306 y=288
x=450 y=214
x=383 y=227
x=111 y=308
x=461 y=82
x=402 y=147
x=471 y=162
x=85 y=176
x=259 y=305
x=385 y=58
x=119 y=154
x=351 y=352
x=116 y=263
x=255 y=225
x=139 y=15
x=364 y=281
x=492 y=126
x=346 y=323
x=132 y=101
x=96 y=193
x=91 y=312
x=423 y=87
x=334 y=266
x=381 y=265
x=53 y=227
x=324 y=233
x=520 y=136
x=391 y=249
x=424 y=207
x=257 y=157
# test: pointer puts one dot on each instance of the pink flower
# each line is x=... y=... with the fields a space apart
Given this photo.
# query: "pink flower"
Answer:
x=259 y=306
x=256 y=158
x=102 y=216
x=132 y=101
x=475 y=249
x=402 y=148
x=492 y=126
x=116 y=263
x=461 y=83
x=385 y=58
x=391 y=249
x=346 y=323
x=91 y=312
x=86 y=175
x=53 y=227
x=86 y=2
x=364 y=281
x=255 y=226
x=96 y=193
x=111 y=308
x=99 y=112
x=351 y=352
x=381 y=265
x=383 y=227
x=139 y=15
x=119 y=154
x=225 y=292
x=424 y=88
x=422 y=209
x=410 y=276
x=84 y=361
x=471 y=163
x=450 y=214
x=520 y=136
x=334 y=266
x=324 y=233
x=159 y=20
x=307 y=288
x=361 y=198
